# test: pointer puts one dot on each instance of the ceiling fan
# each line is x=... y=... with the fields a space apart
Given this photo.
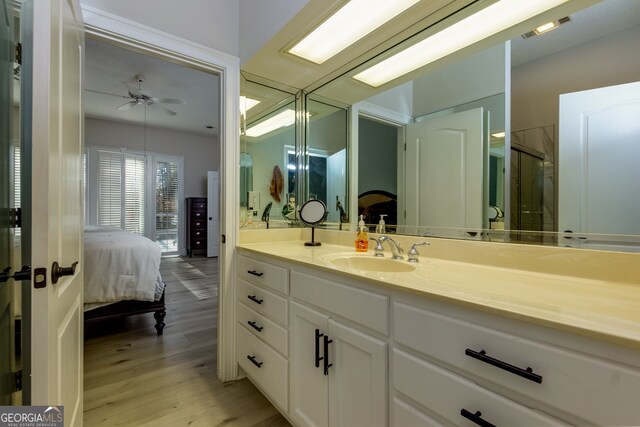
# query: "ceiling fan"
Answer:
x=138 y=97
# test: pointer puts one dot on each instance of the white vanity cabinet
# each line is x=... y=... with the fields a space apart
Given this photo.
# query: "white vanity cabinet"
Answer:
x=340 y=350
x=338 y=373
x=262 y=337
x=510 y=378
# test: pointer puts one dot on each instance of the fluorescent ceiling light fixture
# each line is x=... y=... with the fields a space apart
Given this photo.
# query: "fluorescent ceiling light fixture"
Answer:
x=498 y=135
x=491 y=20
x=246 y=104
x=280 y=120
x=349 y=24
x=546 y=27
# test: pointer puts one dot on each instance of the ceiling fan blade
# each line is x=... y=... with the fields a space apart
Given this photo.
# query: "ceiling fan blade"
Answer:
x=169 y=101
x=128 y=105
x=161 y=108
x=132 y=88
x=106 y=93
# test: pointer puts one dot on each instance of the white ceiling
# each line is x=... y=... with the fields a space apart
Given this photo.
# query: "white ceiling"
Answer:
x=597 y=21
x=106 y=66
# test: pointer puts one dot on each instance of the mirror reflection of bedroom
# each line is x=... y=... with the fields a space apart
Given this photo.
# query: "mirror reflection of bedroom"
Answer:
x=151 y=217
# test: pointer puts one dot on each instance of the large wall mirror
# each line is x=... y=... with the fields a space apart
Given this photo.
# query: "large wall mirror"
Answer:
x=532 y=136
x=293 y=148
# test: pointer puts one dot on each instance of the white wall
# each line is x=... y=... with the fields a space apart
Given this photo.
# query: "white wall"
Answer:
x=260 y=20
x=201 y=153
x=478 y=76
x=536 y=85
x=212 y=23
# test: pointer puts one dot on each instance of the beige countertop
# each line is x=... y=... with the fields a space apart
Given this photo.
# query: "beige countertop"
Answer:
x=601 y=309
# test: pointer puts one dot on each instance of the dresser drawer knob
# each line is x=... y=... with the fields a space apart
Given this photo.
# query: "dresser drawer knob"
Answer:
x=476 y=418
x=254 y=273
x=255 y=299
x=524 y=373
x=255 y=326
x=254 y=361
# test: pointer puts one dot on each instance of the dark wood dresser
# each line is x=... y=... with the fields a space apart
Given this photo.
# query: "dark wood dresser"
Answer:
x=196 y=225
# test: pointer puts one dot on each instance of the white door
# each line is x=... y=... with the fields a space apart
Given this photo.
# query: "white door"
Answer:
x=213 y=213
x=599 y=154
x=309 y=402
x=357 y=378
x=57 y=193
x=444 y=172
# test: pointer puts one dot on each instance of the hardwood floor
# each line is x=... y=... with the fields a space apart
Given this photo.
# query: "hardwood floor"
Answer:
x=134 y=378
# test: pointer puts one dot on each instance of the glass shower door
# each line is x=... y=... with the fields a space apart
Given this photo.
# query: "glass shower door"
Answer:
x=527 y=171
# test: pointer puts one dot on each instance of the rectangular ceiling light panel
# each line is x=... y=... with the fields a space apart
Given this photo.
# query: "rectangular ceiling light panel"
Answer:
x=280 y=120
x=349 y=24
x=491 y=20
x=247 y=103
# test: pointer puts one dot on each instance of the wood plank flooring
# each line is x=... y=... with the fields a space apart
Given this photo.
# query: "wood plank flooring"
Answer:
x=134 y=378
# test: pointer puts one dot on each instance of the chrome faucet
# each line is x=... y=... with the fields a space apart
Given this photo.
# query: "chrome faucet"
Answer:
x=396 y=250
x=379 y=249
x=413 y=252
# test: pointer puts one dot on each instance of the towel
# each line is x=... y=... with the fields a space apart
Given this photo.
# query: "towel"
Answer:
x=277 y=183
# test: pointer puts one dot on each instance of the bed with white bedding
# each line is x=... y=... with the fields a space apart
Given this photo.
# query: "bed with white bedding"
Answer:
x=122 y=275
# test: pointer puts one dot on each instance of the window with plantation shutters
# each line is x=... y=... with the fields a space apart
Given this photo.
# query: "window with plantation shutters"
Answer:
x=135 y=191
x=110 y=189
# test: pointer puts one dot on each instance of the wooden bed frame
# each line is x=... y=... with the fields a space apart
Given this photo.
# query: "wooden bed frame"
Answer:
x=129 y=308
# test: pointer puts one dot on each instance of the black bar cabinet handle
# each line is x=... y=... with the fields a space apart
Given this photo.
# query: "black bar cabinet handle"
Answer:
x=254 y=361
x=524 y=373
x=327 y=365
x=254 y=273
x=254 y=326
x=476 y=418
x=255 y=299
x=318 y=357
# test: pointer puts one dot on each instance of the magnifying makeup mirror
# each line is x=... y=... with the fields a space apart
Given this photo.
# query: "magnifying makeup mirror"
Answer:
x=312 y=213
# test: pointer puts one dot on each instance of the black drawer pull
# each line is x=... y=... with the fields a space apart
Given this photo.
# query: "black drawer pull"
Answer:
x=476 y=418
x=327 y=365
x=254 y=361
x=254 y=326
x=524 y=373
x=254 y=299
x=254 y=273
x=318 y=357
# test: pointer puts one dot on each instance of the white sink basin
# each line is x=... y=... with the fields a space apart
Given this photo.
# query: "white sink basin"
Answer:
x=383 y=265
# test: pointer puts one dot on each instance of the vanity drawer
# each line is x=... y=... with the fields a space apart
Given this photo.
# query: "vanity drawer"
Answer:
x=448 y=395
x=364 y=307
x=263 y=328
x=270 y=370
x=405 y=415
x=271 y=276
x=264 y=302
x=584 y=386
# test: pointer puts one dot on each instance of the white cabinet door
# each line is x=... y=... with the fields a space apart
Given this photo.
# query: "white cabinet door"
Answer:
x=309 y=405
x=357 y=378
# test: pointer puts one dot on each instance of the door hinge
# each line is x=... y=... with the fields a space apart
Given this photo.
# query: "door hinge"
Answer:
x=405 y=146
x=15 y=217
x=18 y=58
x=17 y=380
x=223 y=238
